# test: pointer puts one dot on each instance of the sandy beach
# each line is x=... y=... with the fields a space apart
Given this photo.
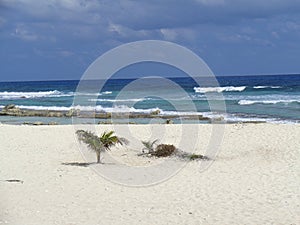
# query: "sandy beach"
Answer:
x=253 y=180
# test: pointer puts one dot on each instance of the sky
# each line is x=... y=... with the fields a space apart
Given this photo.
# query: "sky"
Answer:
x=59 y=39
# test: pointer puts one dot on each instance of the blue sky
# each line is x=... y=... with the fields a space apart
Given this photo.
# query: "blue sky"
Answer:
x=58 y=39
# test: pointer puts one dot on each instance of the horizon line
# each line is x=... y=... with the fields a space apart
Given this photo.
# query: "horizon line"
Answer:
x=231 y=75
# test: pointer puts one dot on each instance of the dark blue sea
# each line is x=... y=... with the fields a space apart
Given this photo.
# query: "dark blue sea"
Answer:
x=248 y=98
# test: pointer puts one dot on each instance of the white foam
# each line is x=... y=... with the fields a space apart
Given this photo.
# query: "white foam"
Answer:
x=91 y=94
x=237 y=118
x=262 y=87
x=39 y=94
x=251 y=102
x=6 y=95
x=118 y=100
x=218 y=89
x=98 y=108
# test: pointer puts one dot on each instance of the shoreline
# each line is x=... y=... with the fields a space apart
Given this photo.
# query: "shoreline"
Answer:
x=44 y=121
x=15 y=115
x=12 y=110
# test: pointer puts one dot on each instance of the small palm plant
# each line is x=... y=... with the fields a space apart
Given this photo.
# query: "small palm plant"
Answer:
x=165 y=150
x=108 y=139
x=149 y=146
x=100 y=144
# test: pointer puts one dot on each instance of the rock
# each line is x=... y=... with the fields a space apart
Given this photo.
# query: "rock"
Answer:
x=52 y=123
x=11 y=109
x=103 y=115
x=155 y=112
x=218 y=119
x=73 y=112
x=168 y=121
x=104 y=122
x=54 y=114
x=38 y=123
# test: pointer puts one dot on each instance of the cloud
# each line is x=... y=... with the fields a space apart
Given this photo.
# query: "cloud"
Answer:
x=155 y=14
x=168 y=14
x=80 y=30
x=22 y=33
x=127 y=20
x=73 y=11
x=169 y=34
x=294 y=26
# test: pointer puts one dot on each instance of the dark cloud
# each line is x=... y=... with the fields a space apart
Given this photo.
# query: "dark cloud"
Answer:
x=153 y=14
x=223 y=32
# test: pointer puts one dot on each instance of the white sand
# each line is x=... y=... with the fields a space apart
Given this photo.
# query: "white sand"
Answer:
x=254 y=180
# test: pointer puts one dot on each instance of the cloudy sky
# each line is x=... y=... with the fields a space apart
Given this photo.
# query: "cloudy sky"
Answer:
x=58 y=39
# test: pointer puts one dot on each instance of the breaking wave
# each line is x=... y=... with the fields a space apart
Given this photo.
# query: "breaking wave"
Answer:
x=218 y=89
x=39 y=94
x=263 y=87
x=7 y=95
x=251 y=102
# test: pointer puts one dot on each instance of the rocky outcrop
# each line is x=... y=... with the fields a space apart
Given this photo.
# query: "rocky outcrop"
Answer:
x=169 y=121
x=11 y=110
x=9 y=107
x=39 y=123
x=52 y=123
x=55 y=114
x=155 y=112
x=73 y=112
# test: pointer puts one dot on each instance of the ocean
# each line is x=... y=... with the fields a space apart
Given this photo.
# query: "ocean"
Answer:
x=263 y=98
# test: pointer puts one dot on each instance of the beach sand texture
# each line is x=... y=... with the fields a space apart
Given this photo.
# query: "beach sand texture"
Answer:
x=255 y=179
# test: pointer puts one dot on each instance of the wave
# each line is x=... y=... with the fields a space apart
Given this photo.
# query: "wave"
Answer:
x=232 y=118
x=251 y=102
x=263 y=87
x=91 y=94
x=39 y=94
x=218 y=89
x=230 y=88
x=106 y=92
x=7 y=95
x=120 y=100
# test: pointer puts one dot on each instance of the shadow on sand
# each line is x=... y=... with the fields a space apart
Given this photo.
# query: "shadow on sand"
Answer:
x=78 y=164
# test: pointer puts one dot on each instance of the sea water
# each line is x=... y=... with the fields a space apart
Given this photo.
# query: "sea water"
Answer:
x=270 y=98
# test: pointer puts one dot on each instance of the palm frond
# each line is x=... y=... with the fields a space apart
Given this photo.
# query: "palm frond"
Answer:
x=149 y=145
x=109 y=139
x=99 y=144
x=90 y=139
